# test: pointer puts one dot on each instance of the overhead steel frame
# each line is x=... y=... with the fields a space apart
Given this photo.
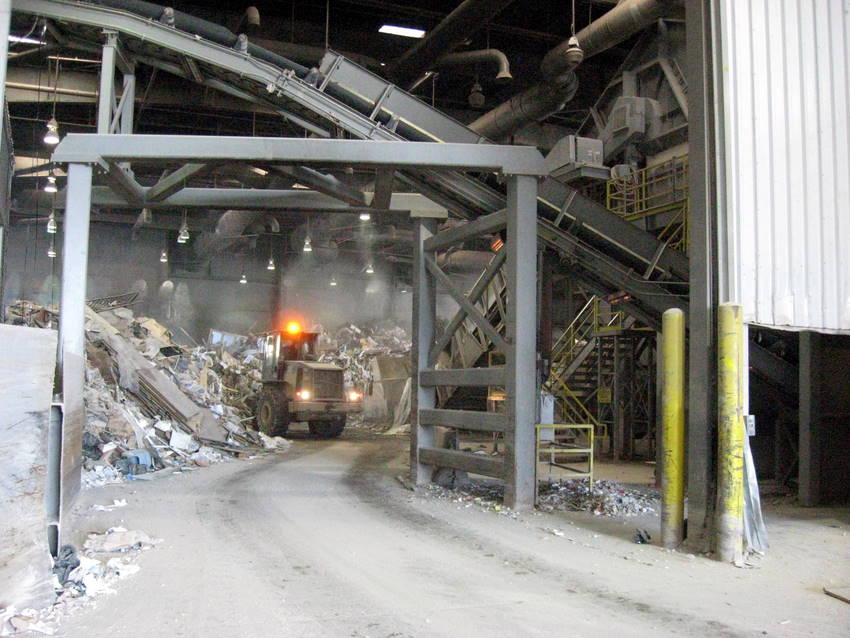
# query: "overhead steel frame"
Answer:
x=519 y=375
x=521 y=165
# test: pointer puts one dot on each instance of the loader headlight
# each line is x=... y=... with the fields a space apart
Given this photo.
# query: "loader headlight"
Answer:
x=354 y=396
x=304 y=395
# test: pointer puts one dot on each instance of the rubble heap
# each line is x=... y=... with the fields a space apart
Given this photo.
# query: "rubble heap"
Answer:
x=152 y=403
x=606 y=498
x=167 y=405
x=353 y=347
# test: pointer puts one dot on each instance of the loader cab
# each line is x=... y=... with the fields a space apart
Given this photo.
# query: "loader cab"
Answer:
x=290 y=344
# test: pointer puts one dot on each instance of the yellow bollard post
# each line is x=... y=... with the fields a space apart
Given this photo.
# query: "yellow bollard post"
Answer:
x=730 y=480
x=673 y=428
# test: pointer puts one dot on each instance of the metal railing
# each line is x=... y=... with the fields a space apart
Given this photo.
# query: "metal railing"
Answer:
x=654 y=190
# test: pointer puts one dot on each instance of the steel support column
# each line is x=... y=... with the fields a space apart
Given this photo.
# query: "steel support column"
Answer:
x=702 y=392
x=424 y=316
x=521 y=360
x=106 y=94
x=72 y=342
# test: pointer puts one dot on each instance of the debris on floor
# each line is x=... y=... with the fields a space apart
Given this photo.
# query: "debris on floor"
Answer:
x=607 y=498
x=486 y=496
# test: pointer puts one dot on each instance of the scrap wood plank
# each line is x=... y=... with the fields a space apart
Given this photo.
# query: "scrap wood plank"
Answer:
x=841 y=593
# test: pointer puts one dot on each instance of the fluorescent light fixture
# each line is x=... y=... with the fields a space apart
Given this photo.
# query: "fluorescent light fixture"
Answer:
x=25 y=40
x=405 y=32
x=365 y=217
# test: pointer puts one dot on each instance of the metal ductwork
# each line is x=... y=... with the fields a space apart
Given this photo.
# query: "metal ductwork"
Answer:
x=549 y=96
x=229 y=229
x=455 y=28
x=619 y=24
x=481 y=56
x=533 y=104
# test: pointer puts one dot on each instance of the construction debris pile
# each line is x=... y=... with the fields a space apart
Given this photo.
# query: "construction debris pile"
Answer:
x=486 y=496
x=606 y=498
x=153 y=404
x=353 y=347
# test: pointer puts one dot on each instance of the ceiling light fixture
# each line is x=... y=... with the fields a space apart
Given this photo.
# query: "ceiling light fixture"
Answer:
x=308 y=245
x=405 y=32
x=50 y=186
x=52 y=135
x=51 y=223
x=365 y=217
x=333 y=281
x=270 y=265
x=51 y=251
x=369 y=269
x=183 y=234
x=163 y=256
x=243 y=279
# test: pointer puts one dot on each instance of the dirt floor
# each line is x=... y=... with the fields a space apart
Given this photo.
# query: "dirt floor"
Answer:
x=323 y=540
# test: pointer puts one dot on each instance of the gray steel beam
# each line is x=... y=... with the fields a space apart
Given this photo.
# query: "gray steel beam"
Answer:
x=464 y=419
x=521 y=359
x=472 y=463
x=106 y=93
x=473 y=296
x=325 y=183
x=510 y=160
x=124 y=184
x=424 y=317
x=175 y=181
x=463 y=301
x=5 y=18
x=72 y=311
x=481 y=226
x=702 y=389
x=466 y=377
x=811 y=439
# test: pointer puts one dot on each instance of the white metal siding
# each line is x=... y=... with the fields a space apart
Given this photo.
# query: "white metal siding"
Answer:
x=785 y=223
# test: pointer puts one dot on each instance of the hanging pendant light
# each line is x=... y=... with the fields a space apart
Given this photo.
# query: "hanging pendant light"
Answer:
x=369 y=269
x=365 y=217
x=51 y=251
x=51 y=224
x=333 y=281
x=50 y=186
x=243 y=279
x=183 y=234
x=51 y=137
x=270 y=265
x=163 y=256
x=308 y=245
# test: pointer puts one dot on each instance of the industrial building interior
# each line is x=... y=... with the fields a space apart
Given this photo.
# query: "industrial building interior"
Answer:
x=482 y=318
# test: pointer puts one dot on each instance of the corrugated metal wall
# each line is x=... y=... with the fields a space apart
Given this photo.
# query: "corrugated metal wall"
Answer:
x=785 y=230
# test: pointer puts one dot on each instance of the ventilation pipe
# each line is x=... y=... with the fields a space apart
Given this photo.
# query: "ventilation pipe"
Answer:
x=619 y=24
x=455 y=28
x=481 y=56
x=559 y=86
x=229 y=229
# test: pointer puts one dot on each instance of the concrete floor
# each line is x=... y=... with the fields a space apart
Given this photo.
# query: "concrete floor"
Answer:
x=323 y=541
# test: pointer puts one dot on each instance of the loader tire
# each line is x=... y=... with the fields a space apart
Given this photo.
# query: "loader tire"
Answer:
x=272 y=414
x=327 y=429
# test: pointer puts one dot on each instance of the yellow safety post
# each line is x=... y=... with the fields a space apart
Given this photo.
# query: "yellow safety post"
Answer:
x=730 y=482
x=673 y=428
